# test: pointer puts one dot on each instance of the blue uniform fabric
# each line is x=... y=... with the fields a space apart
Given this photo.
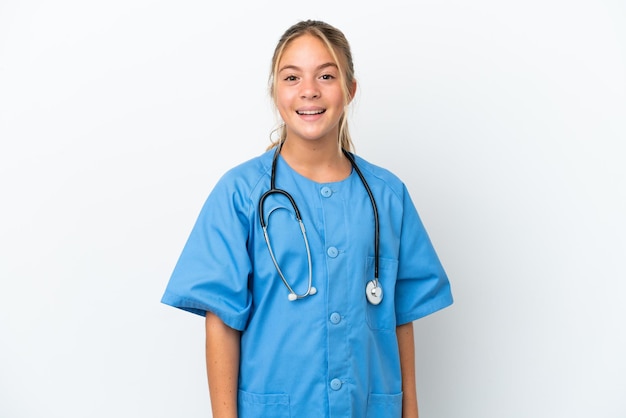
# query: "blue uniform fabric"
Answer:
x=331 y=354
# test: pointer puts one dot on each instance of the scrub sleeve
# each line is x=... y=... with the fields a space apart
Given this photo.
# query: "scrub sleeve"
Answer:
x=213 y=269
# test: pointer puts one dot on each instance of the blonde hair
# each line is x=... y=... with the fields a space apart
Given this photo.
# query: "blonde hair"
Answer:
x=338 y=46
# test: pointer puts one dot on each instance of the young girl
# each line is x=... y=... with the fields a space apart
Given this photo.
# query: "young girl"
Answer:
x=308 y=262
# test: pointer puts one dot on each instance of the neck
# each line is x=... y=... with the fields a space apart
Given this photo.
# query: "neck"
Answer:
x=322 y=162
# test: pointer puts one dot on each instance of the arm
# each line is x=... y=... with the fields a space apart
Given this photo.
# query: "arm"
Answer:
x=406 y=345
x=222 y=362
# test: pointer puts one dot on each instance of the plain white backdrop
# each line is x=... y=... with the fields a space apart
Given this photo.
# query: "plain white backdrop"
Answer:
x=506 y=119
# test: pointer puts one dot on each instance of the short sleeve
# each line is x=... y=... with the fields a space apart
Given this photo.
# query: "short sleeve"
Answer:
x=422 y=285
x=213 y=269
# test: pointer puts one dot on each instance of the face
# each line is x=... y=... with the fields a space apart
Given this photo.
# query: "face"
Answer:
x=309 y=94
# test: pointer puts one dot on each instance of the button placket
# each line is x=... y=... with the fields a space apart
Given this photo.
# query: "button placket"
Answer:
x=334 y=213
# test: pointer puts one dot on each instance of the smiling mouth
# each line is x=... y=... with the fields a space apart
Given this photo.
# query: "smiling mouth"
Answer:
x=310 y=112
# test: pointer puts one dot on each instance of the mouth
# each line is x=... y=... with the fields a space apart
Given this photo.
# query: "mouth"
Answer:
x=310 y=112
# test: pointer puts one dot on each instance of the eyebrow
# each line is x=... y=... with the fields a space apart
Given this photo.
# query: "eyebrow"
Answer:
x=296 y=68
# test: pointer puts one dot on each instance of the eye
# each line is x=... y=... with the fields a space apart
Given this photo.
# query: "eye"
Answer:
x=291 y=78
x=327 y=77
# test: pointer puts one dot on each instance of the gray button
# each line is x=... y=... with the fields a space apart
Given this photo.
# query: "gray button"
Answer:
x=332 y=252
x=335 y=318
x=335 y=384
x=326 y=192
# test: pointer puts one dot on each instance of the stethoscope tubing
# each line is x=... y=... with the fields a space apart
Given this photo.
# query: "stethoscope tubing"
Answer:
x=374 y=210
x=273 y=190
x=373 y=292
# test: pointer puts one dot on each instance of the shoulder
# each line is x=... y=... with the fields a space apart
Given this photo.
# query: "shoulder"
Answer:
x=384 y=177
x=246 y=176
x=239 y=187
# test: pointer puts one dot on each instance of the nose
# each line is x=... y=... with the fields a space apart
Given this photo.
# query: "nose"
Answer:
x=309 y=90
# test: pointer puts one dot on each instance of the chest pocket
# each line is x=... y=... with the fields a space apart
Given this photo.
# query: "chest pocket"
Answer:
x=252 y=405
x=389 y=406
x=383 y=315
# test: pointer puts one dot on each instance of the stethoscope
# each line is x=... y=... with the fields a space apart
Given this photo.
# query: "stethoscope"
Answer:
x=373 y=291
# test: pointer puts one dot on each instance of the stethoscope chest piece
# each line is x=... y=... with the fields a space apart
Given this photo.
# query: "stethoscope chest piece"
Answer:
x=373 y=292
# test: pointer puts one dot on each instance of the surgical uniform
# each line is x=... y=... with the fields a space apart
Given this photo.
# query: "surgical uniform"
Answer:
x=331 y=354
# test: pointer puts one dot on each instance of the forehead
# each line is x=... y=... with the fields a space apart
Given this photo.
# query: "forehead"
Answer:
x=305 y=49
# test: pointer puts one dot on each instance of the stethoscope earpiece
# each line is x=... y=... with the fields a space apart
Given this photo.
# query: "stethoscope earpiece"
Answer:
x=294 y=296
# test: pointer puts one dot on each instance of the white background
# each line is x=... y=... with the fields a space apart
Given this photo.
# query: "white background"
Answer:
x=506 y=119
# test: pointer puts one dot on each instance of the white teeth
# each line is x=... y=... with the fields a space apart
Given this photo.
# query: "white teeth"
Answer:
x=309 y=112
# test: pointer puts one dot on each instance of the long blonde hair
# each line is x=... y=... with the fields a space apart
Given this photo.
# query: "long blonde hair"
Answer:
x=338 y=46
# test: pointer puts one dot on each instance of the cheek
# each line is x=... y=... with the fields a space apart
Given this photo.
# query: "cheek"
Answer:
x=335 y=95
x=282 y=108
x=283 y=102
x=341 y=99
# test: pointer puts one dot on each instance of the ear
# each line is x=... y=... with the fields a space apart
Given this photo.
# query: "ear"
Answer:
x=352 y=90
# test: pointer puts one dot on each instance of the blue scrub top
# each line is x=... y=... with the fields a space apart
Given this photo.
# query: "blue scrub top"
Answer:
x=332 y=354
